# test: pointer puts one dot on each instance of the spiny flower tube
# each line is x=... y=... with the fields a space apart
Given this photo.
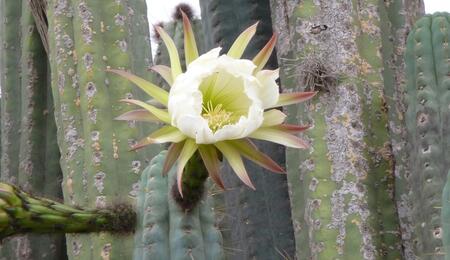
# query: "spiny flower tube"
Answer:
x=216 y=107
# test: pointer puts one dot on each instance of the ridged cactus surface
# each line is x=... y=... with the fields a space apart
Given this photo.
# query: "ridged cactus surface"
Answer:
x=256 y=224
x=31 y=155
x=427 y=121
x=342 y=189
x=85 y=39
x=21 y=213
x=165 y=230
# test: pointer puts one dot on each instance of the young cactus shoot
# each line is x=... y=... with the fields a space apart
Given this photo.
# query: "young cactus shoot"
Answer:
x=216 y=106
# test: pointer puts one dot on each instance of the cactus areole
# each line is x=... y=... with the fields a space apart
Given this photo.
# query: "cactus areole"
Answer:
x=214 y=107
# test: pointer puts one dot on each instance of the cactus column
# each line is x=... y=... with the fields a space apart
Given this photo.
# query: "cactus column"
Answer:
x=427 y=120
x=256 y=224
x=31 y=154
x=86 y=38
x=342 y=190
x=165 y=230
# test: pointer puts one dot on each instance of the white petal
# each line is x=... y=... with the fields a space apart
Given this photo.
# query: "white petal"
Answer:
x=234 y=79
x=269 y=91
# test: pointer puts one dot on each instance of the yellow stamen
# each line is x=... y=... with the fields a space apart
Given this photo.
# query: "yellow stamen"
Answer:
x=217 y=116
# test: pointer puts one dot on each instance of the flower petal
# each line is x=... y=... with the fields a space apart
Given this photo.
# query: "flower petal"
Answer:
x=173 y=52
x=269 y=90
x=249 y=150
x=235 y=160
x=165 y=72
x=212 y=163
x=263 y=56
x=293 y=98
x=292 y=129
x=151 y=89
x=273 y=117
x=190 y=46
x=141 y=115
x=239 y=45
x=172 y=155
x=162 y=135
x=279 y=137
x=186 y=153
x=161 y=114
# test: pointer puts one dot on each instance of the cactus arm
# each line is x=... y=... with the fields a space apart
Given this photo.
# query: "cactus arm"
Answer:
x=212 y=238
x=426 y=120
x=22 y=213
x=167 y=230
x=185 y=236
x=154 y=237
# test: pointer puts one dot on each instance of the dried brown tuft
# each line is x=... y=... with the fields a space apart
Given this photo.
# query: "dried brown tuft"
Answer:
x=187 y=9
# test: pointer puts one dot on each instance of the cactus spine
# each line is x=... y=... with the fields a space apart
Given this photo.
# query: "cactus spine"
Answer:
x=167 y=230
x=86 y=38
x=30 y=156
x=256 y=224
x=342 y=191
x=427 y=120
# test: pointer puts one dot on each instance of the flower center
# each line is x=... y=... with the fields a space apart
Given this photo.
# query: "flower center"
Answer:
x=216 y=116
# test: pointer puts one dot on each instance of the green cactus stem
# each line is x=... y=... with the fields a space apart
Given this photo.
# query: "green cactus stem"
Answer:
x=427 y=120
x=256 y=224
x=446 y=217
x=168 y=231
x=395 y=30
x=85 y=39
x=28 y=99
x=22 y=213
x=342 y=190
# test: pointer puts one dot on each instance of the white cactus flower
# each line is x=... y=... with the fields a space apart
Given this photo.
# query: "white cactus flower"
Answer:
x=216 y=106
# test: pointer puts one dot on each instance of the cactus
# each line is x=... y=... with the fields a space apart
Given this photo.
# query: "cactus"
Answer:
x=395 y=30
x=342 y=191
x=31 y=155
x=446 y=216
x=22 y=213
x=85 y=39
x=255 y=224
x=427 y=120
x=167 y=231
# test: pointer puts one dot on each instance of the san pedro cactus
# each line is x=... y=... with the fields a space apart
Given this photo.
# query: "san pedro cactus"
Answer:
x=31 y=155
x=428 y=99
x=85 y=39
x=167 y=231
x=342 y=190
x=255 y=223
x=22 y=213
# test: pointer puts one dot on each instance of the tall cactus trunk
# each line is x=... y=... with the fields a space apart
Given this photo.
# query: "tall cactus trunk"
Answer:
x=86 y=38
x=256 y=224
x=342 y=190
x=31 y=155
x=396 y=29
x=427 y=120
